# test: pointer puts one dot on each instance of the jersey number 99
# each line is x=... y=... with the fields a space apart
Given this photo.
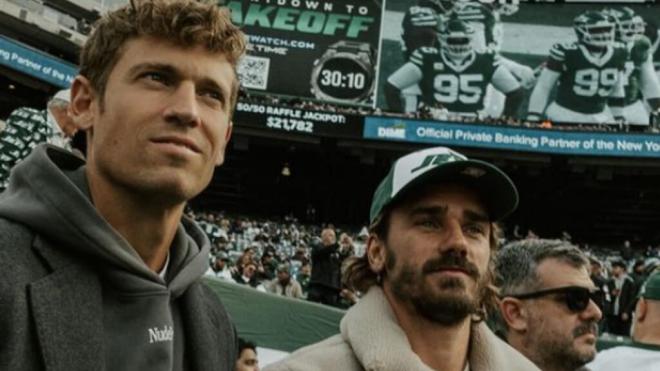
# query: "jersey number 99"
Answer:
x=591 y=81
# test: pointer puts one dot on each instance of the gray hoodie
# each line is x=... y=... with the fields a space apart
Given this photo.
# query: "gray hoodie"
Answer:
x=48 y=192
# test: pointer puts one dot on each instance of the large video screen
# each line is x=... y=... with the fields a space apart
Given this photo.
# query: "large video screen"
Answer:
x=569 y=63
x=317 y=49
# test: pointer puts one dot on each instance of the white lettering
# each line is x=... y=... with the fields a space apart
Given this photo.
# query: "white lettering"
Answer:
x=624 y=145
x=157 y=336
x=652 y=146
x=396 y=133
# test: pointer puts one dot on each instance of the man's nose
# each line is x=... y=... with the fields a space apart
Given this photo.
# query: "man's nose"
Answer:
x=183 y=107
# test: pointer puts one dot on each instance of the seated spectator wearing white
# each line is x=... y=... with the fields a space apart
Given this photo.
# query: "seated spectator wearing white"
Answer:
x=643 y=354
x=62 y=125
x=27 y=127
x=220 y=269
x=284 y=284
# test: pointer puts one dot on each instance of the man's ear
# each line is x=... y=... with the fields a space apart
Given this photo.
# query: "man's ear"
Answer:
x=514 y=313
x=221 y=154
x=376 y=253
x=81 y=108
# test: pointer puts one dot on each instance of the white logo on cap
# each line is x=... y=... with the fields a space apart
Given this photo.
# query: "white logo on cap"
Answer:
x=413 y=165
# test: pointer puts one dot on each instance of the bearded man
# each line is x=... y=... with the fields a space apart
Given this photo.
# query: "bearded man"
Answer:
x=426 y=273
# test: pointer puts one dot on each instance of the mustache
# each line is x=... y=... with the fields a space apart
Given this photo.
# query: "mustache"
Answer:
x=586 y=328
x=451 y=261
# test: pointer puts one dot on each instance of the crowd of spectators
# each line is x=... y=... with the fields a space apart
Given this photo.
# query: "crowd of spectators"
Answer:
x=302 y=261
x=276 y=256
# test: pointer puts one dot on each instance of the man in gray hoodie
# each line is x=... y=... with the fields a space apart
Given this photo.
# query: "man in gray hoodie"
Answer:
x=99 y=269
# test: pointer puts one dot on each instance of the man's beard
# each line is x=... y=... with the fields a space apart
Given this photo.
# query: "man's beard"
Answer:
x=558 y=350
x=454 y=302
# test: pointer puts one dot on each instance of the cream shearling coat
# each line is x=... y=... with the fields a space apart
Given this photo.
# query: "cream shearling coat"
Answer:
x=372 y=340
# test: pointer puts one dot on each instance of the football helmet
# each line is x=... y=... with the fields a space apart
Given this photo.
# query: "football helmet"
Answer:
x=440 y=6
x=455 y=37
x=629 y=25
x=594 y=29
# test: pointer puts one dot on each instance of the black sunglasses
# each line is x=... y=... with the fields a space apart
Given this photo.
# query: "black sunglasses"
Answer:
x=576 y=298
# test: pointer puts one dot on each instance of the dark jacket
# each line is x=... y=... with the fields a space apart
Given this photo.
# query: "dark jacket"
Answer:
x=75 y=295
x=627 y=297
x=51 y=311
x=326 y=266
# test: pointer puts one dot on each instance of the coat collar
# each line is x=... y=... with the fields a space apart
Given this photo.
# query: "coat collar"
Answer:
x=67 y=307
x=197 y=320
x=379 y=343
x=67 y=310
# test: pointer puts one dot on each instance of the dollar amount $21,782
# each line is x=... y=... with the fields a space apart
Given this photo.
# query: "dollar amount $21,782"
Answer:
x=288 y=124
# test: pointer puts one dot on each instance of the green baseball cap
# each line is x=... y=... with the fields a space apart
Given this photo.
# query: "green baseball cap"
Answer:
x=651 y=288
x=442 y=165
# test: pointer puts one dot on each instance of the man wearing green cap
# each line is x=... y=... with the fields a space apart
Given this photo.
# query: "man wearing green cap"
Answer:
x=644 y=352
x=426 y=274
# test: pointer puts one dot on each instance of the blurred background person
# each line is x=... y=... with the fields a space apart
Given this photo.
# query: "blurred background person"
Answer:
x=546 y=303
x=622 y=289
x=643 y=354
x=26 y=127
x=284 y=284
x=327 y=257
x=247 y=356
x=220 y=267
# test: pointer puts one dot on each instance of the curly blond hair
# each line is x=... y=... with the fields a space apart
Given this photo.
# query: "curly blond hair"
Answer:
x=184 y=23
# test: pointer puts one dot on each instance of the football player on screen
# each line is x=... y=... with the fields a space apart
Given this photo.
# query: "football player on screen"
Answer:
x=641 y=81
x=420 y=25
x=455 y=76
x=419 y=29
x=589 y=73
x=485 y=18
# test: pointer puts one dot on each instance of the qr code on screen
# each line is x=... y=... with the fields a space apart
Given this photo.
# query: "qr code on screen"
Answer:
x=253 y=72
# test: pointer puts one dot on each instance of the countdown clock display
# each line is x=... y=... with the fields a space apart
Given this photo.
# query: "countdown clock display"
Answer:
x=344 y=73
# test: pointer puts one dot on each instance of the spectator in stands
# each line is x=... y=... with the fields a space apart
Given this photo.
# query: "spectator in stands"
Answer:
x=361 y=241
x=426 y=273
x=100 y=269
x=248 y=275
x=346 y=244
x=643 y=354
x=304 y=276
x=284 y=284
x=268 y=266
x=622 y=289
x=247 y=356
x=626 y=251
x=327 y=257
x=546 y=305
x=28 y=127
x=639 y=274
x=243 y=259
x=300 y=256
x=602 y=296
x=220 y=268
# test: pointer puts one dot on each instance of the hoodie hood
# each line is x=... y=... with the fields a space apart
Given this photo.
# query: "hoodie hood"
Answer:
x=48 y=192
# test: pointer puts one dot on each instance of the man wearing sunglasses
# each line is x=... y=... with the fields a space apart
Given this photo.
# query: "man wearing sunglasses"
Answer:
x=644 y=352
x=546 y=305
